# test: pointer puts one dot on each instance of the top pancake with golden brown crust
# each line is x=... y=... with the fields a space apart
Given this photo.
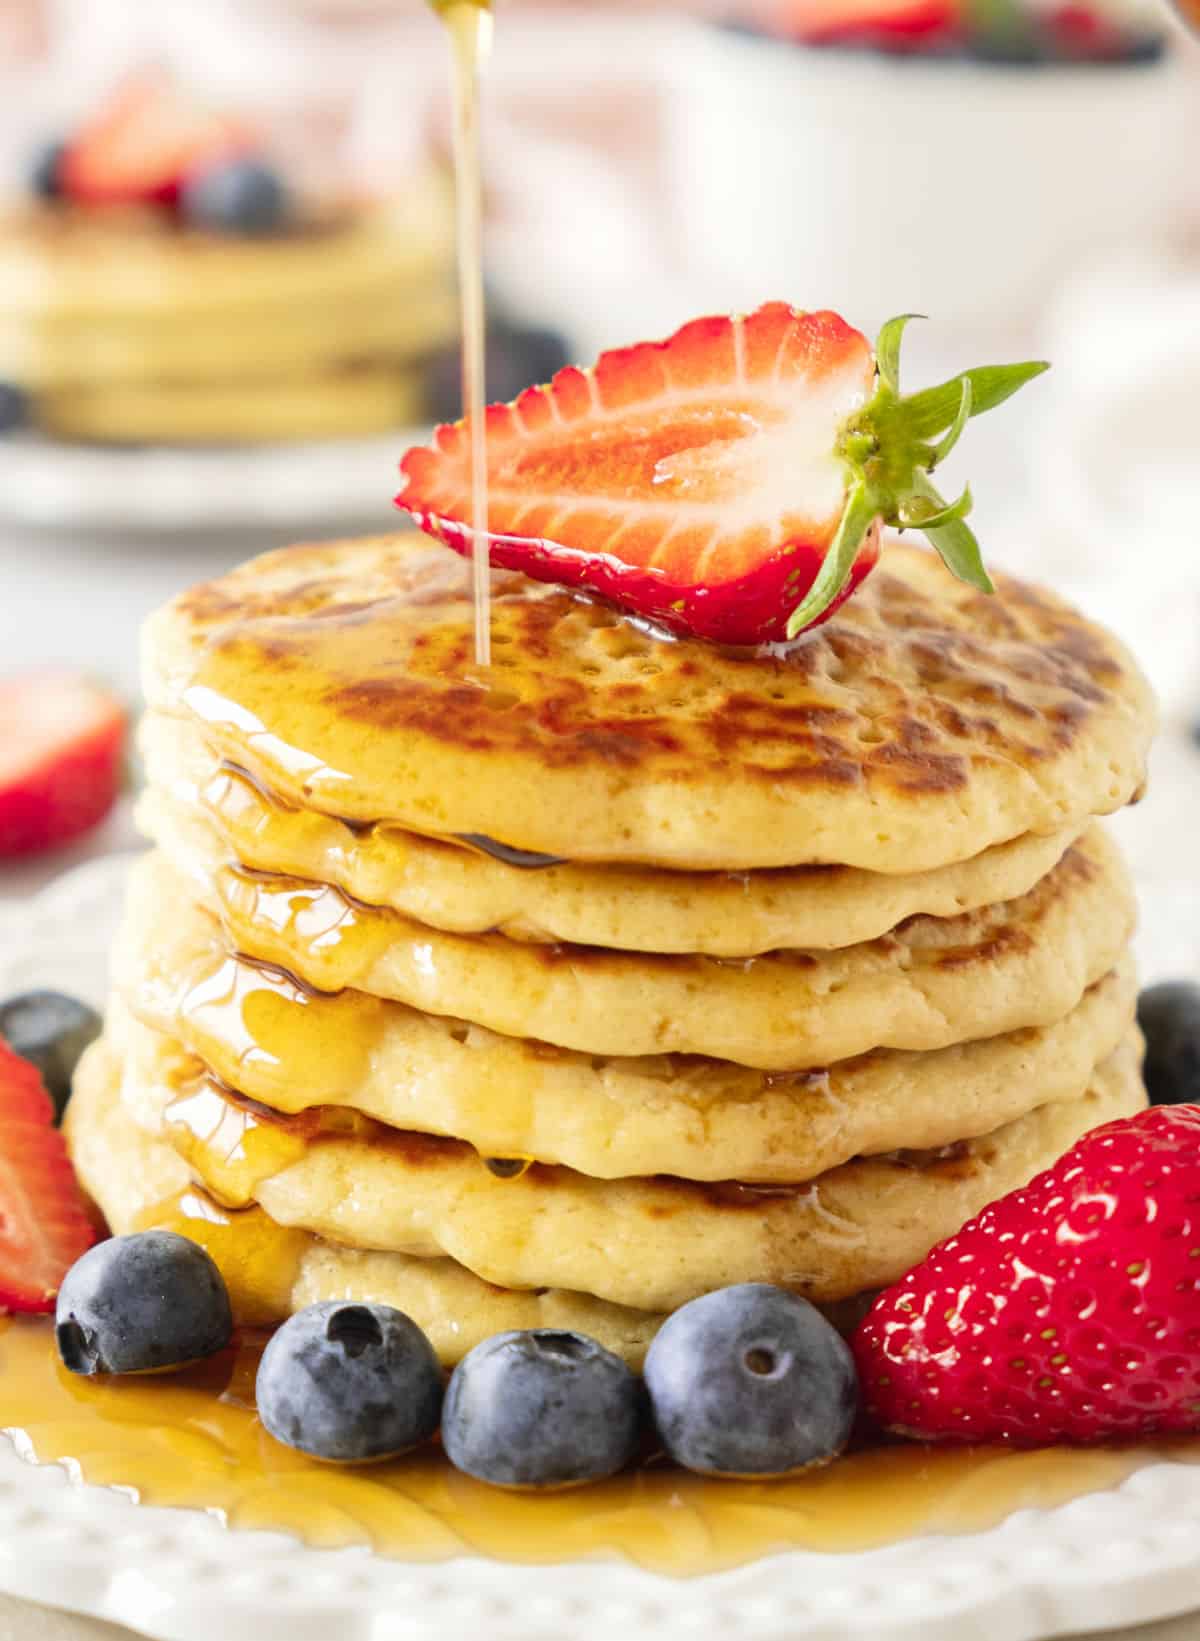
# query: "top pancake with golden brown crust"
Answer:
x=923 y=724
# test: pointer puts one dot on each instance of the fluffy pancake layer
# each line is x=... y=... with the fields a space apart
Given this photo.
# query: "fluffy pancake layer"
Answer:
x=922 y=725
x=138 y=1181
x=226 y=817
x=125 y=327
x=931 y=983
x=293 y=1050
x=650 y=1243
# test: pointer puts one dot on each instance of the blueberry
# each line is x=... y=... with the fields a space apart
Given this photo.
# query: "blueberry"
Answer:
x=541 y=1409
x=45 y=170
x=14 y=407
x=238 y=196
x=350 y=1382
x=52 y=1030
x=751 y=1381
x=516 y=358
x=138 y=1303
x=1169 y=1016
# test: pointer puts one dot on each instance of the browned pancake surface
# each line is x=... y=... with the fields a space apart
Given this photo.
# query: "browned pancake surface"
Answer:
x=924 y=723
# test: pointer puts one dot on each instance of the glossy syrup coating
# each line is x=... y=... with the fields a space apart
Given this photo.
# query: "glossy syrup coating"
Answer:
x=130 y=1435
x=470 y=886
x=278 y=1043
x=921 y=725
x=931 y=983
x=648 y=1244
x=140 y=1182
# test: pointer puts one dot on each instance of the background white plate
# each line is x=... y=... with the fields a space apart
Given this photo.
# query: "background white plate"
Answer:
x=1111 y=1559
x=304 y=487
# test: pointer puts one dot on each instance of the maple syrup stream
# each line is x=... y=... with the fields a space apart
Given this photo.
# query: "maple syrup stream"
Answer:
x=469 y=26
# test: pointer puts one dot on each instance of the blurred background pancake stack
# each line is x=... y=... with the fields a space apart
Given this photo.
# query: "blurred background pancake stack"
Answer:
x=565 y=990
x=163 y=281
x=124 y=329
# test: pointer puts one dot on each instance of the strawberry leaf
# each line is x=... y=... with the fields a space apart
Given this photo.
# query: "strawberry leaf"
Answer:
x=930 y=412
x=920 y=512
x=860 y=513
x=954 y=541
x=887 y=349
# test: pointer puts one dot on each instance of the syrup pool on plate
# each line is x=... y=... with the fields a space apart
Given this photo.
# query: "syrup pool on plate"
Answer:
x=193 y=1440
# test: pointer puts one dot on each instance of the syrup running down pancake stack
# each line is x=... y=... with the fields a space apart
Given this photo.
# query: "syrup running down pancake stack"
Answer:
x=562 y=991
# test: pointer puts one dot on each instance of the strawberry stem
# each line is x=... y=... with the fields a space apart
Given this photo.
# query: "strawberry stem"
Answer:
x=888 y=457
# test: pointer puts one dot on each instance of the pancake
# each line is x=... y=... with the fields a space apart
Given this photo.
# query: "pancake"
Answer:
x=931 y=983
x=258 y=346
x=466 y=891
x=293 y=1050
x=91 y=298
x=923 y=724
x=271 y=1271
x=335 y=403
x=652 y=1244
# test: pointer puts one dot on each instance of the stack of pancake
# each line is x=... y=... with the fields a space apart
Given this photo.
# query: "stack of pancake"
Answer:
x=561 y=991
x=127 y=326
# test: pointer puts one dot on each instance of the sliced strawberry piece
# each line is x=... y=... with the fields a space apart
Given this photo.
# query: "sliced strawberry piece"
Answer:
x=1068 y=1311
x=900 y=24
x=143 y=146
x=729 y=482
x=44 y=1224
x=62 y=744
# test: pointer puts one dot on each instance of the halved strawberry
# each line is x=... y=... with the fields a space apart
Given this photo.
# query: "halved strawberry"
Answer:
x=729 y=482
x=145 y=143
x=62 y=746
x=44 y=1225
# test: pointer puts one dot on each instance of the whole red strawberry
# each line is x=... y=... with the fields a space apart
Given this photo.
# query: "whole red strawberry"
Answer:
x=729 y=482
x=1068 y=1311
x=44 y=1226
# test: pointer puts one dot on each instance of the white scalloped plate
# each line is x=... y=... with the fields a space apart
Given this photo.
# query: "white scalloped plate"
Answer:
x=1112 y=1558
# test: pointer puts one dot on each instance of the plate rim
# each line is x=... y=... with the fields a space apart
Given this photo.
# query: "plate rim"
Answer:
x=1125 y=1555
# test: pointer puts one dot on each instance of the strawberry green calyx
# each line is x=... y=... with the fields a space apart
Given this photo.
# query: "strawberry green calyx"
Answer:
x=890 y=448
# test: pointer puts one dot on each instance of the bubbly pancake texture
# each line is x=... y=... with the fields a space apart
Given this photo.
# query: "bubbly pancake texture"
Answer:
x=294 y=1050
x=652 y=1244
x=931 y=983
x=138 y=1181
x=464 y=890
x=922 y=725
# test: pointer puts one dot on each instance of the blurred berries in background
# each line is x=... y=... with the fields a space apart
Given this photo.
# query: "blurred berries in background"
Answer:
x=62 y=757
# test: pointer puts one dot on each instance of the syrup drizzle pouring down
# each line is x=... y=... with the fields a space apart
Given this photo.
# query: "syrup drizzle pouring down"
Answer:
x=469 y=23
